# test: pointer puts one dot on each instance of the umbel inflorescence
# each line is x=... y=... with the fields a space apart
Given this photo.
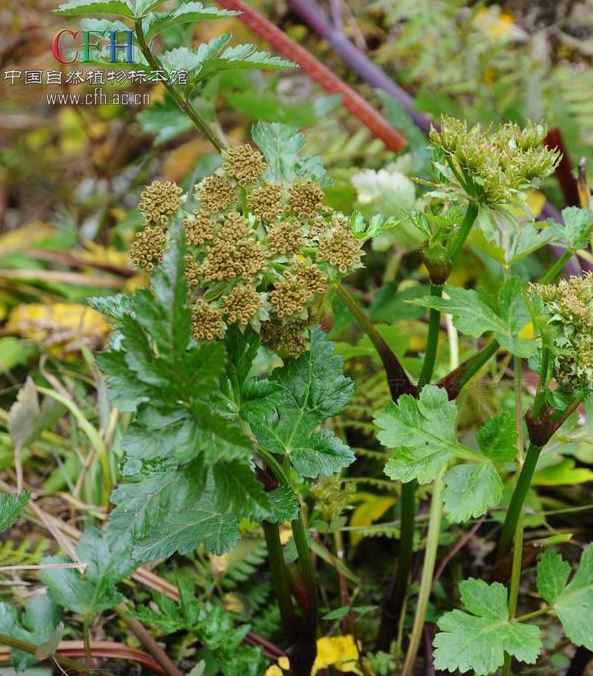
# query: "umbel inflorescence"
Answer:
x=568 y=309
x=493 y=166
x=261 y=253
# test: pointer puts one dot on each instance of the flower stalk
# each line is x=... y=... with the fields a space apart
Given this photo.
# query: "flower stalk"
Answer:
x=432 y=545
x=202 y=126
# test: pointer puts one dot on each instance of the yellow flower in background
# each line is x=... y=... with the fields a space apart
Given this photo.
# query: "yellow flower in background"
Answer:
x=338 y=651
x=274 y=671
x=332 y=651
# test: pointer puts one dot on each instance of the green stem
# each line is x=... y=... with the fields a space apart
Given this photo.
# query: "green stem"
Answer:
x=432 y=341
x=306 y=635
x=86 y=634
x=454 y=381
x=516 y=505
x=32 y=649
x=430 y=555
x=515 y=581
x=535 y=613
x=557 y=268
x=280 y=579
x=396 y=594
x=518 y=536
x=464 y=230
x=397 y=379
x=306 y=563
x=183 y=103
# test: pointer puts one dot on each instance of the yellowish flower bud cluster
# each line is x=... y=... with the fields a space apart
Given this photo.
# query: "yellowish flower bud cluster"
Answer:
x=263 y=253
x=332 y=496
x=159 y=200
x=148 y=247
x=215 y=193
x=199 y=228
x=285 y=338
x=339 y=248
x=304 y=199
x=244 y=163
x=207 y=321
x=241 y=304
x=492 y=166
x=286 y=239
x=569 y=306
x=265 y=202
x=192 y=271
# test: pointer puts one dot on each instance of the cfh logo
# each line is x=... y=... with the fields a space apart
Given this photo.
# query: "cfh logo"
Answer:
x=90 y=44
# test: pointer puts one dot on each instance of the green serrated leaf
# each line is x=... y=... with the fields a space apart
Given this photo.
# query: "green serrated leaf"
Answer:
x=284 y=505
x=497 y=438
x=181 y=58
x=140 y=505
x=141 y=7
x=113 y=306
x=188 y=12
x=35 y=626
x=307 y=391
x=577 y=230
x=82 y=7
x=474 y=316
x=422 y=433
x=238 y=489
x=552 y=575
x=281 y=145
x=11 y=507
x=572 y=602
x=470 y=490
x=182 y=532
x=478 y=641
x=244 y=57
x=94 y=590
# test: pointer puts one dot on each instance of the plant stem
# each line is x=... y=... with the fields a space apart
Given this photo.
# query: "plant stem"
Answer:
x=32 y=649
x=280 y=579
x=464 y=230
x=183 y=103
x=454 y=381
x=432 y=545
x=86 y=634
x=397 y=379
x=146 y=639
x=432 y=341
x=518 y=539
x=534 y=614
x=305 y=642
x=556 y=268
x=305 y=562
x=516 y=505
x=396 y=594
x=516 y=566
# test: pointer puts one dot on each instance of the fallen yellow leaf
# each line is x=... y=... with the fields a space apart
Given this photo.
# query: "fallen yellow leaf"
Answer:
x=63 y=328
x=25 y=236
x=371 y=509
